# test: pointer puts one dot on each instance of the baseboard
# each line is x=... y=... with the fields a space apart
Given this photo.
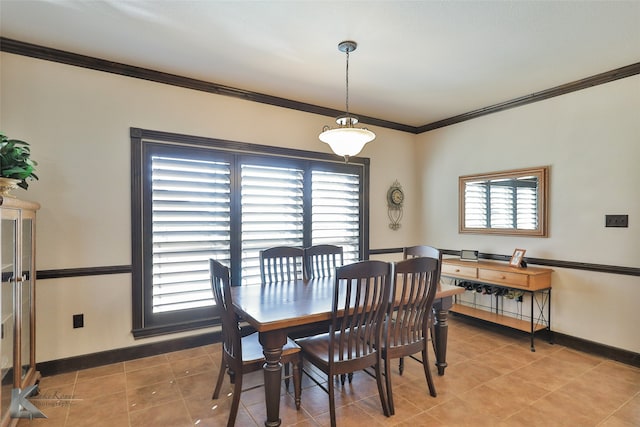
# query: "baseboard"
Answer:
x=85 y=361
x=613 y=353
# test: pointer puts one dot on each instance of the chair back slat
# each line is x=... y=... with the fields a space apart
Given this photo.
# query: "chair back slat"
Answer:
x=322 y=260
x=415 y=286
x=231 y=338
x=281 y=264
x=361 y=295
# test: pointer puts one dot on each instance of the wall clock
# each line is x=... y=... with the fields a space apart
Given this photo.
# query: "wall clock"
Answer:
x=395 y=200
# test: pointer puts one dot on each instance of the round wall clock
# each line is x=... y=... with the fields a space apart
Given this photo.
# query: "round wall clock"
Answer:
x=395 y=196
x=395 y=199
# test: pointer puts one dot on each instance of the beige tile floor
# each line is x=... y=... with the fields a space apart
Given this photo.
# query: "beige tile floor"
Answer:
x=492 y=380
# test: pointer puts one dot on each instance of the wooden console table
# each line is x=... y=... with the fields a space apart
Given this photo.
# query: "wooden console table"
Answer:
x=534 y=281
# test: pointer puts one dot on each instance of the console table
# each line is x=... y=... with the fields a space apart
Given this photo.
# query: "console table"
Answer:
x=499 y=278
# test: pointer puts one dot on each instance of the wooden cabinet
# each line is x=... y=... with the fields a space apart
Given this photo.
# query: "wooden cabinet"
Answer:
x=497 y=280
x=17 y=300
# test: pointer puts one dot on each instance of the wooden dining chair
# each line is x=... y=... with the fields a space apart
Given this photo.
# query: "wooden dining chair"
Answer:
x=242 y=355
x=361 y=297
x=281 y=264
x=430 y=252
x=322 y=260
x=409 y=321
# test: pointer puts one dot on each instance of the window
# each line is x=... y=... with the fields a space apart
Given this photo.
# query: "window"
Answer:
x=197 y=198
x=511 y=202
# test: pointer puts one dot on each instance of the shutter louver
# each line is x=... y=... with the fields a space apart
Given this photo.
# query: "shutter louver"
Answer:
x=191 y=224
x=335 y=212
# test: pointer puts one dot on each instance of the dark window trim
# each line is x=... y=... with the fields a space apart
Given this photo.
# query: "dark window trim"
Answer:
x=141 y=138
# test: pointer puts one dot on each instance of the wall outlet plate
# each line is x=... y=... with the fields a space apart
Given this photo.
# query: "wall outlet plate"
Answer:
x=616 y=220
x=78 y=321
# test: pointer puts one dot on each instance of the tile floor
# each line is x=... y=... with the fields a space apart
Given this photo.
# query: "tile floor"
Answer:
x=492 y=380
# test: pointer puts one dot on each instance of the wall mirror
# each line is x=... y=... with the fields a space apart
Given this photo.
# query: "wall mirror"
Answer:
x=510 y=202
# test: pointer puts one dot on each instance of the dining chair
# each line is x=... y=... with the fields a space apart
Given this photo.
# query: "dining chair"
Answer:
x=242 y=355
x=408 y=322
x=281 y=264
x=360 y=300
x=322 y=260
x=430 y=252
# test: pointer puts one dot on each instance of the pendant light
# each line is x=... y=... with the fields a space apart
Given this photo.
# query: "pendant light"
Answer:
x=346 y=140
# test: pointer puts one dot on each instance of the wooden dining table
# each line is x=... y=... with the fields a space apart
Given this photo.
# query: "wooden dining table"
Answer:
x=275 y=309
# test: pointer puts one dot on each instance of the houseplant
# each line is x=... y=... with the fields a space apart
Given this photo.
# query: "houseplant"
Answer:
x=16 y=165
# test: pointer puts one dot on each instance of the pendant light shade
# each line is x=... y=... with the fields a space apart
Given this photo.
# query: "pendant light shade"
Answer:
x=346 y=140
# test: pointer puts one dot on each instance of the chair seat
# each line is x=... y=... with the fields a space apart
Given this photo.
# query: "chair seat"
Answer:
x=317 y=348
x=252 y=349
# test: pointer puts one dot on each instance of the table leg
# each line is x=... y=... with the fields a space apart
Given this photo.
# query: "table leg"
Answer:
x=441 y=308
x=272 y=343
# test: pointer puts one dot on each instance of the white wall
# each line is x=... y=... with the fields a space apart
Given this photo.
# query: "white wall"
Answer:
x=591 y=141
x=78 y=121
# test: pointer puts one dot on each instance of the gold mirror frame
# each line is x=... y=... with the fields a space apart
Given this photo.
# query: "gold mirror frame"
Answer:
x=539 y=173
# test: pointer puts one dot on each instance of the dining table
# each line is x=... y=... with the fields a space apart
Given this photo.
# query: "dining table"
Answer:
x=275 y=309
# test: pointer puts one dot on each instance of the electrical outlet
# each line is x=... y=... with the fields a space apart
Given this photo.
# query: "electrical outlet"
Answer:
x=616 y=220
x=78 y=321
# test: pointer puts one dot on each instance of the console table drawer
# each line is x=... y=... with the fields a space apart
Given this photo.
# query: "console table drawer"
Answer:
x=459 y=270
x=512 y=279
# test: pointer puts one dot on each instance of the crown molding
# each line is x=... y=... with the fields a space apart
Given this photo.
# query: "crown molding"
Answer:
x=70 y=58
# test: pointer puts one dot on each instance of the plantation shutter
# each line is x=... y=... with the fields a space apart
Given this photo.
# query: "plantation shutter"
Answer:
x=335 y=211
x=502 y=204
x=191 y=213
x=476 y=203
x=272 y=213
x=527 y=202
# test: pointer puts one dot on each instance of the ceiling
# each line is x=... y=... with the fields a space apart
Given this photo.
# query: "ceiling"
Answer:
x=417 y=62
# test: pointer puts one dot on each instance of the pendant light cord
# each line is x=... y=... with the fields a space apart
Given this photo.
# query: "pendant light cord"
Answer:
x=347 y=84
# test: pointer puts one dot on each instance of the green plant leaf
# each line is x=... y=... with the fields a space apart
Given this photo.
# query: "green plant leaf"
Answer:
x=15 y=160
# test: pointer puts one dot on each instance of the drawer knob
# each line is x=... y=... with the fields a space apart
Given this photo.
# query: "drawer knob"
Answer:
x=502 y=277
x=457 y=270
